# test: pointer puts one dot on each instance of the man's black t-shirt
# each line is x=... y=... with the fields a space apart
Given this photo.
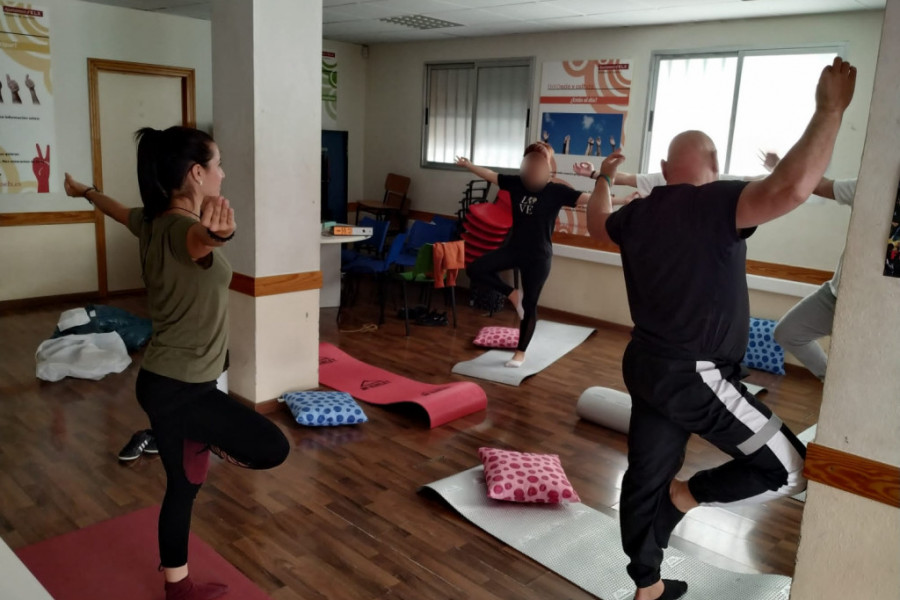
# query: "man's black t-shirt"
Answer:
x=685 y=271
x=534 y=213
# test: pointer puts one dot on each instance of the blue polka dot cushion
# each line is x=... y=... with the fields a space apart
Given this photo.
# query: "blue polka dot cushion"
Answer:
x=763 y=352
x=324 y=409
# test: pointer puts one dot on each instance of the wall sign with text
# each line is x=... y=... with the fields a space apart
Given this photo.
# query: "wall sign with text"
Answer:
x=584 y=104
x=27 y=133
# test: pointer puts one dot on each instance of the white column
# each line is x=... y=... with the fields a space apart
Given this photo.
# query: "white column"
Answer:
x=267 y=113
x=849 y=544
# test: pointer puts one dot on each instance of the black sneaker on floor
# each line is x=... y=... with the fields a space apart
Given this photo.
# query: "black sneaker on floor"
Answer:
x=151 y=447
x=137 y=445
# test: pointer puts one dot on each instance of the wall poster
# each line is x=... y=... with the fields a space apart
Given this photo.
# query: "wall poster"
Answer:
x=584 y=104
x=329 y=89
x=27 y=133
x=892 y=258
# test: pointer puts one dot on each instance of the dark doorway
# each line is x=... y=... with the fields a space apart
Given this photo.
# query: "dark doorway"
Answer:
x=334 y=176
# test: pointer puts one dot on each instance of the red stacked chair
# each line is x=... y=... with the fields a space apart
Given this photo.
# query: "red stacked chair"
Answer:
x=486 y=226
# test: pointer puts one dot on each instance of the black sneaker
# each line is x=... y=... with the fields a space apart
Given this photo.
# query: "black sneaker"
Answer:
x=137 y=445
x=151 y=447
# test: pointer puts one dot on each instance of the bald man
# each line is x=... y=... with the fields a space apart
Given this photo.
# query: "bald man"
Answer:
x=690 y=309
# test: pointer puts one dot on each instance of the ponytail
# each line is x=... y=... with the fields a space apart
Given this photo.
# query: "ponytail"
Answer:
x=164 y=159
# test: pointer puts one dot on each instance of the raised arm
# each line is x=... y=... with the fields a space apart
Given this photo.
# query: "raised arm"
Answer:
x=797 y=175
x=825 y=188
x=586 y=169
x=600 y=205
x=486 y=174
x=111 y=208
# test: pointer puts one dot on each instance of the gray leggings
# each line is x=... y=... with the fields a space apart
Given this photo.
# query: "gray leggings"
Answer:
x=808 y=321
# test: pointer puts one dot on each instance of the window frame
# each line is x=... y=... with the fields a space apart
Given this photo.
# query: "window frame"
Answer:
x=528 y=62
x=739 y=52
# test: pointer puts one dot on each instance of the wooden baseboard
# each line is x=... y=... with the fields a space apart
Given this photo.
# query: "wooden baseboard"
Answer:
x=80 y=297
x=276 y=284
x=854 y=474
x=576 y=319
x=265 y=407
x=65 y=217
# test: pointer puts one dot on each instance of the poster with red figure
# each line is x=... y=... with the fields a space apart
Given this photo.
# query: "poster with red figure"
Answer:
x=27 y=132
x=584 y=104
x=892 y=258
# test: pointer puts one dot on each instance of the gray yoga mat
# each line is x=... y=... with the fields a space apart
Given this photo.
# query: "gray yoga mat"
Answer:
x=754 y=389
x=551 y=342
x=584 y=546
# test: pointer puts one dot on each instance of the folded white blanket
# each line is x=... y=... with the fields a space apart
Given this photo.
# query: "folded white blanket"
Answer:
x=88 y=356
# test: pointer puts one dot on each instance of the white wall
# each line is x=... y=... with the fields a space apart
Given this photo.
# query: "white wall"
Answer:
x=61 y=259
x=393 y=133
x=849 y=544
x=351 y=110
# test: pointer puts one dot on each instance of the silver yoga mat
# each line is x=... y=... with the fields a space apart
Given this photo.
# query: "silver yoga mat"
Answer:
x=584 y=546
x=551 y=342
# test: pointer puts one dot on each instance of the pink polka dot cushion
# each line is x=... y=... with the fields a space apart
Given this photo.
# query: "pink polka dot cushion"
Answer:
x=497 y=337
x=524 y=477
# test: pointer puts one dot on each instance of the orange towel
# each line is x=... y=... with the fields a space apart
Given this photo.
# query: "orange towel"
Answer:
x=449 y=258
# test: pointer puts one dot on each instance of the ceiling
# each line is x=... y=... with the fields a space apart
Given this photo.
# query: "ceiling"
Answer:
x=364 y=21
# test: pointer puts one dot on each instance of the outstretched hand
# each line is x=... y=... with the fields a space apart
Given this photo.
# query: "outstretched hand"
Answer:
x=610 y=164
x=217 y=216
x=462 y=161
x=585 y=169
x=769 y=160
x=836 y=86
x=74 y=188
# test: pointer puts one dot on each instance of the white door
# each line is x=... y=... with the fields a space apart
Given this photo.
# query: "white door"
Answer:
x=128 y=102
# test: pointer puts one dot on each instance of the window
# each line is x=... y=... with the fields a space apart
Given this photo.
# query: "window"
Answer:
x=746 y=101
x=478 y=110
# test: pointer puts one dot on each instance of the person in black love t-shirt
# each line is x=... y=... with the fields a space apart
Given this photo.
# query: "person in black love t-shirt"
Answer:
x=537 y=197
x=691 y=316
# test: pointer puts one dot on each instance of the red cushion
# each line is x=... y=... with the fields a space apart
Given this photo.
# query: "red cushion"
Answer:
x=525 y=477
x=497 y=337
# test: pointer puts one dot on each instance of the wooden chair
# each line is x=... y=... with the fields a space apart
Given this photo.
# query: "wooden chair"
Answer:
x=393 y=206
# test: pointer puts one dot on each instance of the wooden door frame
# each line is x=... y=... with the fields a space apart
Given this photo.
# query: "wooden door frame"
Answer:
x=96 y=66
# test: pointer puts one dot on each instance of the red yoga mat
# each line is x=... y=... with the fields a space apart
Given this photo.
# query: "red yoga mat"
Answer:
x=118 y=558
x=443 y=403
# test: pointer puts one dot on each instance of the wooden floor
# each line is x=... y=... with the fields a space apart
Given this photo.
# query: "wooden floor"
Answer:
x=342 y=518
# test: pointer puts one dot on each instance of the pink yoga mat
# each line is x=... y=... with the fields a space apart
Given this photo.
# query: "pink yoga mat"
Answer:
x=118 y=559
x=443 y=403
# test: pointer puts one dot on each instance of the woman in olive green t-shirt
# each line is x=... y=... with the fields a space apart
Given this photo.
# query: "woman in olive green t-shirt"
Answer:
x=182 y=225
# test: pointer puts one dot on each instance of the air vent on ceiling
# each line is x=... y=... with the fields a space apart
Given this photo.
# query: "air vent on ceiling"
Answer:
x=420 y=22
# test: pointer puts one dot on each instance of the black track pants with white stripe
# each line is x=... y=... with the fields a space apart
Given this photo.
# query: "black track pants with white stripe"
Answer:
x=671 y=399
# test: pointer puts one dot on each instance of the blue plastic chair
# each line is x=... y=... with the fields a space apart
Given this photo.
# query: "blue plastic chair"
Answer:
x=419 y=234
x=377 y=267
x=374 y=246
x=446 y=228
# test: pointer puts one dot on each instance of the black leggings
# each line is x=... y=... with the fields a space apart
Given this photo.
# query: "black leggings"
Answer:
x=202 y=416
x=485 y=271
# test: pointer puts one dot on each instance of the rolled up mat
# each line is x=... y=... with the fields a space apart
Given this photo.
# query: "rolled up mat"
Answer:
x=443 y=403
x=612 y=408
x=604 y=406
